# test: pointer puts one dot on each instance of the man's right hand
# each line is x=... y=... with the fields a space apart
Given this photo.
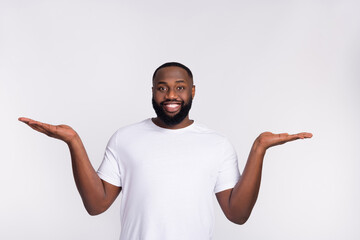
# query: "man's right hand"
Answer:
x=62 y=132
x=97 y=195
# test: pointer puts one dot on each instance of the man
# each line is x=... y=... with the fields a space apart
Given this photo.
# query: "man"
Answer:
x=168 y=167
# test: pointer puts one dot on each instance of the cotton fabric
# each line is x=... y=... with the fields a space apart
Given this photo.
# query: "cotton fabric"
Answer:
x=168 y=179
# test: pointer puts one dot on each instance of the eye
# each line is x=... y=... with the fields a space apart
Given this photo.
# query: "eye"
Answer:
x=162 y=89
x=180 y=88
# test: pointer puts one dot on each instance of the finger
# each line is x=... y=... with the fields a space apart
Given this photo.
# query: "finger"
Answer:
x=33 y=122
x=29 y=121
x=47 y=127
x=25 y=120
x=302 y=135
x=284 y=137
x=38 y=127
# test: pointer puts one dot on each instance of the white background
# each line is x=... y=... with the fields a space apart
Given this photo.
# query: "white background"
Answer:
x=280 y=66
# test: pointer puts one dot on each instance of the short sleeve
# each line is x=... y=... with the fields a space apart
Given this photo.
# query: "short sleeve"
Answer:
x=109 y=169
x=228 y=174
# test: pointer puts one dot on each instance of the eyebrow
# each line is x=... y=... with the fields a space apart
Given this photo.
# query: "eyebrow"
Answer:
x=178 y=81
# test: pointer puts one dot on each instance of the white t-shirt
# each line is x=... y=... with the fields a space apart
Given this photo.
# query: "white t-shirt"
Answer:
x=168 y=179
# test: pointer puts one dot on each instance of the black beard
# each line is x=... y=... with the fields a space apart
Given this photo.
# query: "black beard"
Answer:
x=168 y=120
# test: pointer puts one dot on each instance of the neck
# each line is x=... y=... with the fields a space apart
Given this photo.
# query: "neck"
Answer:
x=184 y=123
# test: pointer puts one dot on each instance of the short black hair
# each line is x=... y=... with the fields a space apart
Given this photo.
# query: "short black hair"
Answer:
x=174 y=64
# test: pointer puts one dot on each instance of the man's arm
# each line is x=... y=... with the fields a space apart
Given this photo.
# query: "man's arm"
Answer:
x=97 y=195
x=238 y=202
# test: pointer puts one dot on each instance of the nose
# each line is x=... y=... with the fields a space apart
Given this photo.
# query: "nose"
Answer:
x=171 y=94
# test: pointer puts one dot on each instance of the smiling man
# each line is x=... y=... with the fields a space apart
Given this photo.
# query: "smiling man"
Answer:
x=168 y=168
x=173 y=91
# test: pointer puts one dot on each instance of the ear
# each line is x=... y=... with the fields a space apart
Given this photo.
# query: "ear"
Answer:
x=193 y=91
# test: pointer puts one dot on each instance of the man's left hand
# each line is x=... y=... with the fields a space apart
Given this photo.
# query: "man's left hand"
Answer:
x=268 y=139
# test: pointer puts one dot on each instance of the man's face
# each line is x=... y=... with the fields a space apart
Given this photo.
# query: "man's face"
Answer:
x=173 y=91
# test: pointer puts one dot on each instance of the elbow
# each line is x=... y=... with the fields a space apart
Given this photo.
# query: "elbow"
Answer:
x=239 y=219
x=96 y=207
x=94 y=211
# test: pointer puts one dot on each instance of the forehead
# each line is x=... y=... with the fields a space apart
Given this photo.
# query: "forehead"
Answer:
x=173 y=73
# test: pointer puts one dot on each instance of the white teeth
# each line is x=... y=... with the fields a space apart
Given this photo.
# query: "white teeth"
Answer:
x=172 y=105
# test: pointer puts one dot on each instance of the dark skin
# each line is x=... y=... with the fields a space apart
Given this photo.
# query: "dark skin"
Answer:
x=97 y=195
x=171 y=84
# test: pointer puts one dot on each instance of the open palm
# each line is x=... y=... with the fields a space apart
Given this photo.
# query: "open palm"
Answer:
x=268 y=139
x=62 y=132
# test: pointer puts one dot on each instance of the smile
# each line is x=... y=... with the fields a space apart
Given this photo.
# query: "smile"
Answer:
x=171 y=107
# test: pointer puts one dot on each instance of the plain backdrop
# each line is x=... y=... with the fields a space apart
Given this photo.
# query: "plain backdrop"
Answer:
x=280 y=66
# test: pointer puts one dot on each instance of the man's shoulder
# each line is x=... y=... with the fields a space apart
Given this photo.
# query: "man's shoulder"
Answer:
x=138 y=126
x=209 y=132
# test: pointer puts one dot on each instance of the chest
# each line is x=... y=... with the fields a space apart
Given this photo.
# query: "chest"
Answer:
x=171 y=159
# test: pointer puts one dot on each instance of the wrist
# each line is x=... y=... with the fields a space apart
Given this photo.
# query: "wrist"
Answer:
x=258 y=147
x=73 y=139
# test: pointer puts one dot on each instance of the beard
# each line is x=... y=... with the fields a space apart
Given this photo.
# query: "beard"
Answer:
x=172 y=120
